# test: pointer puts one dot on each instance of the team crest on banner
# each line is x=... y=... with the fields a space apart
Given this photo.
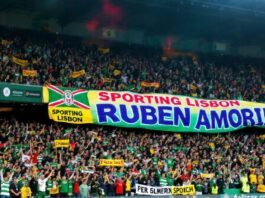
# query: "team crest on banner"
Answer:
x=68 y=98
x=69 y=105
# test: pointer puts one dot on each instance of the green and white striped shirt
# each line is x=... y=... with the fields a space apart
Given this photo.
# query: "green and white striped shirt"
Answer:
x=40 y=158
x=163 y=181
x=5 y=186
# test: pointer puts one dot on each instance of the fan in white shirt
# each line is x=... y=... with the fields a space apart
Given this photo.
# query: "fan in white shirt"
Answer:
x=42 y=182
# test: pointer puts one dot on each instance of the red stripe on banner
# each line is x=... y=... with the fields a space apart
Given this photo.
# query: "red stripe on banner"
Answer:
x=55 y=89
x=81 y=105
x=56 y=103
x=79 y=91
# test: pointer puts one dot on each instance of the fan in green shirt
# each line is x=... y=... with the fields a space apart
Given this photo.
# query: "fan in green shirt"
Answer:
x=199 y=187
x=143 y=172
x=49 y=185
x=131 y=149
x=194 y=171
x=163 y=180
x=21 y=182
x=170 y=163
x=120 y=174
x=64 y=184
x=170 y=180
x=155 y=160
x=70 y=167
x=70 y=188
x=40 y=158
x=54 y=165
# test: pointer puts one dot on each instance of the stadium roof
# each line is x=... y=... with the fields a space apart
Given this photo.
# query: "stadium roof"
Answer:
x=222 y=18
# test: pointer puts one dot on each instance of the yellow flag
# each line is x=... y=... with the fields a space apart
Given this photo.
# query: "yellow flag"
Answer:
x=62 y=143
x=193 y=87
x=241 y=159
x=164 y=58
x=35 y=61
x=104 y=50
x=207 y=175
x=195 y=162
x=29 y=73
x=78 y=74
x=6 y=42
x=111 y=162
x=261 y=188
x=116 y=72
x=20 y=62
x=211 y=145
x=107 y=80
x=150 y=84
x=152 y=151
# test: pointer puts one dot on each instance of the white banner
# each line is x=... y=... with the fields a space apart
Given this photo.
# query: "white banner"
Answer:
x=165 y=190
x=150 y=190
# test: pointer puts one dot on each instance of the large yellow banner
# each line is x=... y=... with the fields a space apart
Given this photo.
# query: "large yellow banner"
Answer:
x=111 y=162
x=153 y=111
x=20 y=62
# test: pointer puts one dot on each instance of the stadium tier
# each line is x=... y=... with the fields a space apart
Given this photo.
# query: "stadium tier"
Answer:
x=96 y=117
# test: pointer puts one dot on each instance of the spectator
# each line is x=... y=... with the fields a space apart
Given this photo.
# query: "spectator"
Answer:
x=84 y=189
x=14 y=190
x=5 y=183
x=33 y=184
x=215 y=189
x=42 y=185
x=119 y=185
x=25 y=191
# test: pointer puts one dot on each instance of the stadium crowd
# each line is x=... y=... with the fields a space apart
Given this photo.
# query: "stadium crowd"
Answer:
x=55 y=58
x=32 y=166
x=29 y=159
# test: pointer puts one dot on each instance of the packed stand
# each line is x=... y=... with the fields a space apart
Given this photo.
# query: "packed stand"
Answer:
x=55 y=58
x=30 y=164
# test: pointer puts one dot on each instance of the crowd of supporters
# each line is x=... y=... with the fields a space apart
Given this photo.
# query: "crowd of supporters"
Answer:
x=32 y=166
x=29 y=159
x=55 y=58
